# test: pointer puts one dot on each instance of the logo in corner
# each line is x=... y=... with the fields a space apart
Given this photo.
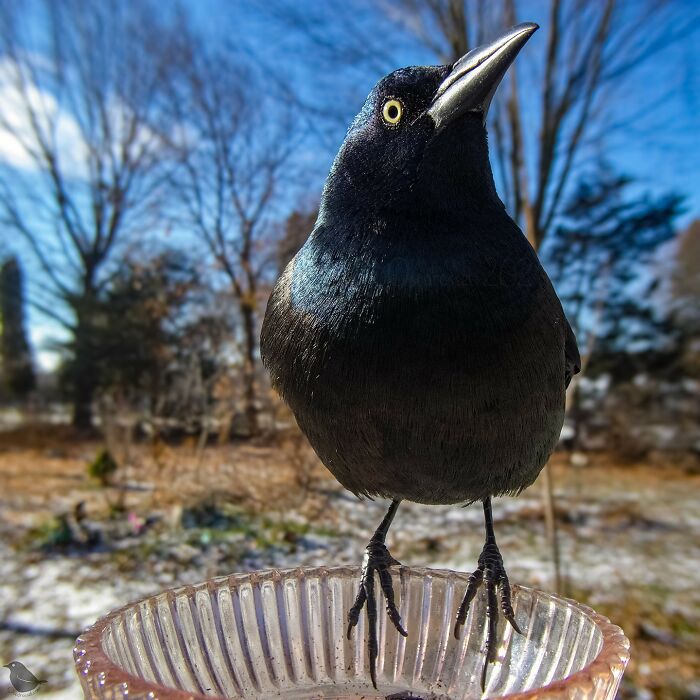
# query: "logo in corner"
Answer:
x=22 y=679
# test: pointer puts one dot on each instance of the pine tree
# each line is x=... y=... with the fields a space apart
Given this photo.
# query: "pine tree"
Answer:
x=600 y=261
x=17 y=370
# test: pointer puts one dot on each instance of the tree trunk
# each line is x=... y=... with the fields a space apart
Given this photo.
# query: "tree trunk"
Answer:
x=84 y=378
x=249 y=389
x=534 y=235
x=85 y=370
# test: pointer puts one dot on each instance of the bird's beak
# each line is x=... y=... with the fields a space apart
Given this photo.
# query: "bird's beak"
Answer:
x=473 y=80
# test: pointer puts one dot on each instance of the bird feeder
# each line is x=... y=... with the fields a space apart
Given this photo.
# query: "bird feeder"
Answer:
x=282 y=634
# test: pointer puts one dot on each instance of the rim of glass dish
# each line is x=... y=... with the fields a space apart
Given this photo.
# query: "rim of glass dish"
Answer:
x=95 y=666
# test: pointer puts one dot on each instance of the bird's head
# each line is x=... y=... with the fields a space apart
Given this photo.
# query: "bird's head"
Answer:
x=421 y=131
x=11 y=665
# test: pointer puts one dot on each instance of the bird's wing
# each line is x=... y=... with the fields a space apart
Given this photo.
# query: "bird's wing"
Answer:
x=572 y=357
x=24 y=674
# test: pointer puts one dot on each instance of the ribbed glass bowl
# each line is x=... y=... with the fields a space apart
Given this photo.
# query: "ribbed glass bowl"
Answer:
x=282 y=634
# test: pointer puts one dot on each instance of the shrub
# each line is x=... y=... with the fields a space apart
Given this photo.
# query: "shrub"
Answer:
x=103 y=467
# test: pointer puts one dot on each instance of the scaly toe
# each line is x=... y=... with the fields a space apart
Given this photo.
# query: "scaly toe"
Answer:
x=377 y=559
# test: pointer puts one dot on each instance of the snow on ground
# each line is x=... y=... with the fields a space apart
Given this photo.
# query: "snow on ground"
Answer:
x=622 y=533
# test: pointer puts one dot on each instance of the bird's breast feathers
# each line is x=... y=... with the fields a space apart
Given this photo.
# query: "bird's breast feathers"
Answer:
x=442 y=282
x=376 y=352
x=442 y=305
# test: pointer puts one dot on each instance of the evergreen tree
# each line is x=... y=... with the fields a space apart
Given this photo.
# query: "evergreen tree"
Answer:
x=17 y=370
x=157 y=334
x=601 y=262
x=93 y=66
x=135 y=326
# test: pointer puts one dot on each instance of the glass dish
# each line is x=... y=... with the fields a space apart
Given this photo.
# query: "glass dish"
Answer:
x=282 y=634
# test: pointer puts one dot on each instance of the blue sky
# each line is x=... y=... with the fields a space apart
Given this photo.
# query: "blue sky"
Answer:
x=660 y=103
x=660 y=147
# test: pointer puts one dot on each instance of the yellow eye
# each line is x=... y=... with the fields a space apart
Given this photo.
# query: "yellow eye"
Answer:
x=392 y=112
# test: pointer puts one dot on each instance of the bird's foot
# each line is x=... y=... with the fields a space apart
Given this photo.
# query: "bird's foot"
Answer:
x=492 y=573
x=377 y=559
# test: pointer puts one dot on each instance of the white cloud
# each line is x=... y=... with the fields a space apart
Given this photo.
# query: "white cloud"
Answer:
x=43 y=336
x=16 y=129
x=53 y=119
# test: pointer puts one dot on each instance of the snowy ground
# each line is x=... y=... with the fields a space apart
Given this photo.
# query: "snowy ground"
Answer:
x=630 y=547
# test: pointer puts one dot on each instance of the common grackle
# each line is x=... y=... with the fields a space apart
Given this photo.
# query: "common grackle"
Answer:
x=415 y=335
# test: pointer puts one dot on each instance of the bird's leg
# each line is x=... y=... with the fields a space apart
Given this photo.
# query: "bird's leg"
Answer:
x=492 y=573
x=377 y=558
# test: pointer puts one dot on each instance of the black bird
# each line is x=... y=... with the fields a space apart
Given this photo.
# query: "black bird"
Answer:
x=22 y=679
x=415 y=335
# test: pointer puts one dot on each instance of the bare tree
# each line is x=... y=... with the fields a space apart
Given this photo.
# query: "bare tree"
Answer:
x=295 y=231
x=685 y=298
x=84 y=161
x=236 y=145
x=544 y=120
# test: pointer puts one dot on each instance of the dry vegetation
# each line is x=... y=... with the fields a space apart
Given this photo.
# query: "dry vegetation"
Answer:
x=180 y=512
x=47 y=475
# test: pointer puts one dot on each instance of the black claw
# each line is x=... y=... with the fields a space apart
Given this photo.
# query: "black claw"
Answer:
x=372 y=646
x=356 y=609
x=484 y=669
x=506 y=606
x=391 y=611
x=472 y=587
x=492 y=574
x=513 y=623
x=492 y=614
x=377 y=558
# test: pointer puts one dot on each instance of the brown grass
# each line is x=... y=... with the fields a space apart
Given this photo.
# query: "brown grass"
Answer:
x=44 y=473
